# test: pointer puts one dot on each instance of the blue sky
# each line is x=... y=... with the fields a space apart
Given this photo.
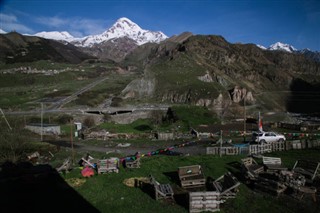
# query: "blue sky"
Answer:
x=296 y=22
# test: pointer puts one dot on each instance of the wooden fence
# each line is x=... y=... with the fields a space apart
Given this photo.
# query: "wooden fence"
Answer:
x=263 y=148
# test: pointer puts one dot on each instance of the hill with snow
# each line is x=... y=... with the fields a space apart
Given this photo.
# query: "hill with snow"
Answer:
x=282 y=47
x=313 y=55
x=123 y=27
x=2 y=31
x=55 y=35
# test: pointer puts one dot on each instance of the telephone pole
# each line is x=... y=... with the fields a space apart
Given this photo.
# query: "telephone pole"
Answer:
x=41 y=122
x=244 y=119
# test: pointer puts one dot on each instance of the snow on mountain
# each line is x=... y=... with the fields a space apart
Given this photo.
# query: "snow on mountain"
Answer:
x=261 y=47
x=123 y=27
x=2 y=31
x=55 y=35
x=282 y=47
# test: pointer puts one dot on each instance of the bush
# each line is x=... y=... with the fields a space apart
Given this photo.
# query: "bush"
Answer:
x=89 y=122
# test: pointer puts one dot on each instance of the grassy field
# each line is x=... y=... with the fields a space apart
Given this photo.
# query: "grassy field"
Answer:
x=23 y=91
x=108 y=193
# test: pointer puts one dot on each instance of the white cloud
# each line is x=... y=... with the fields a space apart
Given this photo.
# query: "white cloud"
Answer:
x=9 y=22
x=50 y=21
x=78 y=27
x=5 y=18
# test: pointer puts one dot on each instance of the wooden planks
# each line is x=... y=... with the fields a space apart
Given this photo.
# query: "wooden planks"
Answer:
x=108 y=165
x=273 y=163
x=309 y=169
x=162 y=191
x=227 y=185
x=204 y=201
x=191 y=176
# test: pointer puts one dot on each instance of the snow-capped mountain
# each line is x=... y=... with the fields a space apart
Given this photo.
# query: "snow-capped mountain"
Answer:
x=313 y=55
x=2 y=31
x=261 y=47
x=55 y=35
x=123 y=27
x=282 y=47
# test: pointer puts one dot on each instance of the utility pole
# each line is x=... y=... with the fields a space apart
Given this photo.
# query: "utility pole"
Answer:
x=220 y=143
x=71 y=140
x=244 y=120
x=41 y=122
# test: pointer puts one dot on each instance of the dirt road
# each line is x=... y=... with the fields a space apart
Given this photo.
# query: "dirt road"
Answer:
x=194 y=149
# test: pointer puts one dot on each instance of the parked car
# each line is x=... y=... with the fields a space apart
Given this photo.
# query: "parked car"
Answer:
x=267 y=137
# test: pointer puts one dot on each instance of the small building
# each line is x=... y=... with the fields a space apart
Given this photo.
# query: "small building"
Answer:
x=47 y=129
x=164 y=136
x=78 y=126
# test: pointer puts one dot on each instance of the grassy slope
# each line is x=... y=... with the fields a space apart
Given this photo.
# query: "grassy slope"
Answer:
x=18 y=90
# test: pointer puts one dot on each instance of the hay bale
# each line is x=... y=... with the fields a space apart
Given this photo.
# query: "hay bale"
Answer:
x=132 y=182
x=75 y=182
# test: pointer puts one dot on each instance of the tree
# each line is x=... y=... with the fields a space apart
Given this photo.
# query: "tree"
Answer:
x=171 y=116
x=156 y=116
x=89 y=122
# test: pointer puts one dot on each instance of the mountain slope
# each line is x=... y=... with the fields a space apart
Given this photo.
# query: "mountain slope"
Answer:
x=114 y=49
x=209 y=71
x=19 y=48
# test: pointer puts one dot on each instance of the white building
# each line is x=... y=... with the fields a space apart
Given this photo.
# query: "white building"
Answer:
x=47 y=129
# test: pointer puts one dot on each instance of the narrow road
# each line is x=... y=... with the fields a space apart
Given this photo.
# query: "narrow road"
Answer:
x=68 y=99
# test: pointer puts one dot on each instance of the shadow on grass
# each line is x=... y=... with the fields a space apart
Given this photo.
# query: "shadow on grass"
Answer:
x=235 y=169
x=173 y=177
x=147 y=188
x=28 y=188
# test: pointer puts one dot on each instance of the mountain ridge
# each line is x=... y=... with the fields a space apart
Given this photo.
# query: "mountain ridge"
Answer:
x=123 y=27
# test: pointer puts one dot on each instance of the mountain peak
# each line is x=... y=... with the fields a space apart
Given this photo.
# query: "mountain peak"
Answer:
x=282 y=47
x=124 y=27
x=126 y=21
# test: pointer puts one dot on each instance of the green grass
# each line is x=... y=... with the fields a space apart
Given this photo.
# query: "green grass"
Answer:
x=108 y=193
x=193 y=116
x=138 y=126
x=22 y=91
x=188 y=116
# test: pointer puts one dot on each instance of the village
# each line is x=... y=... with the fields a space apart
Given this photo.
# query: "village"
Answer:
x=258 y=166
